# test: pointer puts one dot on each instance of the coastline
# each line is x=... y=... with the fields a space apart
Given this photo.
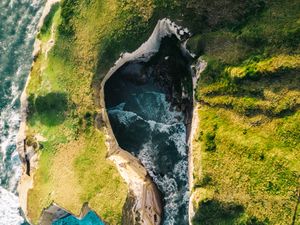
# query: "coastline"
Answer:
x=200 y=66
x=25 y=181
x=257 y=165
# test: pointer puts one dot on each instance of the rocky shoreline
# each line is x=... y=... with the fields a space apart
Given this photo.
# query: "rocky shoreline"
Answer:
x=199 y=67
x=28 y=156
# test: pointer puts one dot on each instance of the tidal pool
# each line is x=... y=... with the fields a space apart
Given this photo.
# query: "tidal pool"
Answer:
x=148 y=111
x=90 y=219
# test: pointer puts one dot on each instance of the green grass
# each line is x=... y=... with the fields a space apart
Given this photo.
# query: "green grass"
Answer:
x=45 y=30
x=249 y=116
x=273 y=66
x=253 y=166
x=72 y=168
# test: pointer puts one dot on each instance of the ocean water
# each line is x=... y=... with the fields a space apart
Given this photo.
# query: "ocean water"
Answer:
x=18 y=21
x=147 y=125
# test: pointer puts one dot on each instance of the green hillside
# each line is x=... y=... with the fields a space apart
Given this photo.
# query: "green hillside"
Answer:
x=247 y=161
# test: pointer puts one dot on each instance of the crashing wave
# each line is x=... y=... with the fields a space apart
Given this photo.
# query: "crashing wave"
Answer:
x=9 y=208
x=149 y=120
x=19 y=20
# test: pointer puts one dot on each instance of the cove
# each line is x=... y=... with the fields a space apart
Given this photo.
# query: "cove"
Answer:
x=90 y=219
x=149 y=106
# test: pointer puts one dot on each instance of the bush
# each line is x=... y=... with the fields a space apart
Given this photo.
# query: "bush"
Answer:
x=54 y=101
x=204 y=181
x=209 y=141
x=214 y=212
x=68 y=8
x=196 y=45
x=51 y=108
x=30 y=106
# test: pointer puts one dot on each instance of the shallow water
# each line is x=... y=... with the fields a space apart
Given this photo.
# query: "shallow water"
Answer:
x=18 y=21
x=90 y=219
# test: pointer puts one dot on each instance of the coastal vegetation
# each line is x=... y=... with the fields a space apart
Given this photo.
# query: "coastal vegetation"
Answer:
x=246 y=154
x=72 y=168
x=246 y=151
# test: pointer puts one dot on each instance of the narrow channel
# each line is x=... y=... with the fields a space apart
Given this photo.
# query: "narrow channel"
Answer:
x=149 y=106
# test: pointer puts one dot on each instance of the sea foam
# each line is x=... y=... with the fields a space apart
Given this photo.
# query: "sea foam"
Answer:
x=163 y=145
x=18 y=21
x=9 y=208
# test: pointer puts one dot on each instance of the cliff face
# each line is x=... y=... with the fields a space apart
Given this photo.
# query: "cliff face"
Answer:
x=244 y=161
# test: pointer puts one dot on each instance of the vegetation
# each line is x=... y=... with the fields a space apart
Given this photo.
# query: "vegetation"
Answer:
x=45 y=30
x=273 y=66
x=246 y=156
x=252 y=166
x=72 y=168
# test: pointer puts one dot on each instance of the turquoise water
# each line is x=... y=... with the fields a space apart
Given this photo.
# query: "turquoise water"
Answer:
x=90 y=219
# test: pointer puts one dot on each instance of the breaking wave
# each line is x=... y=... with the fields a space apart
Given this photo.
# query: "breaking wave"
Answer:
x=151 y=129
x=9 y=208
x=18 y=21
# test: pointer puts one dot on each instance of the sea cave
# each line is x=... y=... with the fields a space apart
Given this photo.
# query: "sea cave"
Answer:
x=149 y=105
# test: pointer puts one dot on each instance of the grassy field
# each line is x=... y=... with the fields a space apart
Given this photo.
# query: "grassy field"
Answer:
x=73 y=168
x=247 y=168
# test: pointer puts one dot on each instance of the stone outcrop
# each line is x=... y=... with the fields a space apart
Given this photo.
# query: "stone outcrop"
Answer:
x=55 y=212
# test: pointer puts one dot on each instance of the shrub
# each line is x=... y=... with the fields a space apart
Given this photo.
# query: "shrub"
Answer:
x=204 y=181
x=30 y=106
x=68 y=8
x=51 y=102
x=214 y=212
x=51 y=108
x=209 y=141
